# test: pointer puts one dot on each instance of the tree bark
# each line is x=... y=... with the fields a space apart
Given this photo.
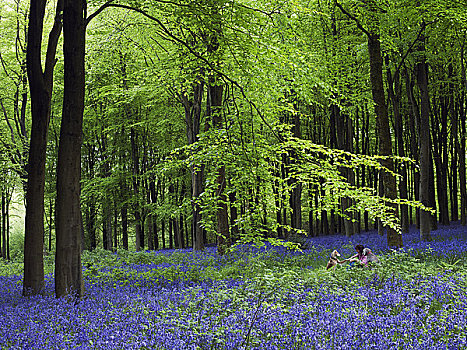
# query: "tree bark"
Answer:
x=394 y=96
x=68 y=272
x=424 y=141
x=296 y=195
x=223 y=236
x=385 y=144
x=462 y=173
x=192 y=109
x=139 y=241
x=414 y=127
x=40 y=85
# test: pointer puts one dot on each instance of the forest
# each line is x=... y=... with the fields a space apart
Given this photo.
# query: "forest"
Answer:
x=176 y=173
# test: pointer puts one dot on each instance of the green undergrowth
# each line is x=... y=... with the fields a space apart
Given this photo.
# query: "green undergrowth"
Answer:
x=268 y=271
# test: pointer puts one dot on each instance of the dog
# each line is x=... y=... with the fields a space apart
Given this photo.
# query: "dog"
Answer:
x=333 y=260
x=371 y=257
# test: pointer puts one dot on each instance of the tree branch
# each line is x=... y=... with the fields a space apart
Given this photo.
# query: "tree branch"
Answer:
x=355 y=19
x=98 y=11
x=424 y=25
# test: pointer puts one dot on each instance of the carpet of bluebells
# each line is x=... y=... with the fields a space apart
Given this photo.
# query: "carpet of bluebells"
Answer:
x=254 y=298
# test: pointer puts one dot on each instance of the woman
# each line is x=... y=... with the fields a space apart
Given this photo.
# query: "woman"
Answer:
x=360 y=257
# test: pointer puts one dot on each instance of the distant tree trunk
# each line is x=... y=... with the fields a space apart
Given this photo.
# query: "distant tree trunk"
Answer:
x=339 y=134
x=150 y=232
x=234 y=215
x=163 y=233
x=124 y=215
x=424 y=140
x=462 y=175
x=414 y=127
x=40 y=85
x=173 y=220
x=432 y=197
x=171 y=237
x=192 y=107
x=4 y=225
x=439 y=150
x=68 y=274
x=215 y=111
x=454 y=149
x=394 y=96
x=139 y=241
x=153 y=197
x=296 y=194
x=385 y=144
x=91 y=210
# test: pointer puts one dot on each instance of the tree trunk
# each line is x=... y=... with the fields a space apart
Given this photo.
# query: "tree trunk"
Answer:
x=4 y=226
x=385 y=144
x=223 y=235
x=192 y=109
x=153 y=216
x=296 y=195
x=414 y=127
x=139 y=241
x=40 y=85
x=68 y=274
x=234 y=215
x=124 y=215
x=394 y=96
x=462 y=175
x=424 y=141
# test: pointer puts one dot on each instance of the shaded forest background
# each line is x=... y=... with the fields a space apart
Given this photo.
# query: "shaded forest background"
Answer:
x=216 y=121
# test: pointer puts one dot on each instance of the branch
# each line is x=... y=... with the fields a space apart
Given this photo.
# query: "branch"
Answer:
x=424 y=25
x=355 y=19
x=98 y=11
x=52 y=43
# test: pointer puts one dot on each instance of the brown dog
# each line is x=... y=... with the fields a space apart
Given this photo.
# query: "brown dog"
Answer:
x=333 y=260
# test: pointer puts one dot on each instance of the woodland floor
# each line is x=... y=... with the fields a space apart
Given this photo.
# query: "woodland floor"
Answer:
x=254 y=298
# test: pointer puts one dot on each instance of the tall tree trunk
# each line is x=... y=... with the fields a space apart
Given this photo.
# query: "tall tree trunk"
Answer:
x=40 y=85
x=424 y=140
x=234 y=215
x=454 y=147
x=137 y=212
x=124 y=215
x=462 y=115
x=68 y=273
x=394 y=96
x=3 y=228
x=296 y=195
x=153 y=197
x=339 y=135
x=223 y=236
x=192 y=109
x=414 y=127
x=385 y=144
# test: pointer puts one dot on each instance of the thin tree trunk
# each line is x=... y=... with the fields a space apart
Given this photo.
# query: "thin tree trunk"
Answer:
x=3 y=228
x=193 y=120
x=414 y=127
x=124 y=214
x=139 y=242
x=223 y=235
x=424 y=140
x=462 y=173
x=394 y=96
